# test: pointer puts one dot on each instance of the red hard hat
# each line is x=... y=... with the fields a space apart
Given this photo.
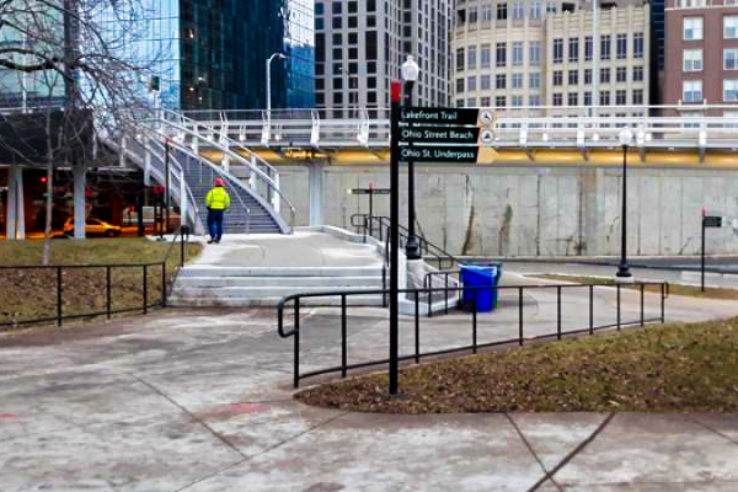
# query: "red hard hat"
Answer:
x=219 y=182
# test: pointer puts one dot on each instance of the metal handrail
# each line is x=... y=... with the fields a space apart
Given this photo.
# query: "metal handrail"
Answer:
x=415 y=294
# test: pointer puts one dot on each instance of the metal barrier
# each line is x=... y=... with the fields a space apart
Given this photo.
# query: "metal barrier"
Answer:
x=145 y=268
x=415 y=294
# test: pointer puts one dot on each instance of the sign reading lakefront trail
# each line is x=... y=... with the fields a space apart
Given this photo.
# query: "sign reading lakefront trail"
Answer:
x=441 y=134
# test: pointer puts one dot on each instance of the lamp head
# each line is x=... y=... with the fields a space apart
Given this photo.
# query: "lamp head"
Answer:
x=410 y=70
x=626 y=137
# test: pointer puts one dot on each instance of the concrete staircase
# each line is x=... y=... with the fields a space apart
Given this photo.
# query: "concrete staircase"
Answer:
x=266 y=286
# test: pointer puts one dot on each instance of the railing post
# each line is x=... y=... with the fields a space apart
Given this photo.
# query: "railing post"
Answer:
x=617 y=287
x=558 y=312
x=59 y=296
x=445 y=291
x=417 y=327
x=181 y=248
x=145 y=290
x=591 y=309
x=663 y=298
x=430 y=296
x=642 y=305
x=163 y=284
x=108 y=291
x=296 y=374
x=474 y=322
x=520 y=316
x=343 y=335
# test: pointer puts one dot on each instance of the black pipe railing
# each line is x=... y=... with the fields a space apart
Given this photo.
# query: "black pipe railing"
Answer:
x=296 y=301
x=60 y=316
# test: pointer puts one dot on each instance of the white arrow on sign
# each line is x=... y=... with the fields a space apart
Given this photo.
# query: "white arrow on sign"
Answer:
x=486 y=117
x=487 y=136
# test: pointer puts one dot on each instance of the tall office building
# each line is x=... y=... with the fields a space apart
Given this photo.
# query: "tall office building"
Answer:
x=299 y=46
x=360 y=46
x=533 y=53
x=701 y=55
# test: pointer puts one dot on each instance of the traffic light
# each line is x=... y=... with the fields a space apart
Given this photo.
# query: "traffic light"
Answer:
x=155 y=83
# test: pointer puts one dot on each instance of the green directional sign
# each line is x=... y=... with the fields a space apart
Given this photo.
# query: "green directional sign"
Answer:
x=439 y=134
x=369 y=191
x=446 y=116
x=712 y=221
x=426 y=153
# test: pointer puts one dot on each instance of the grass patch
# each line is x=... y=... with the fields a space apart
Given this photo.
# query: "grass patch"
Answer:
x=31 y=294
x=670 y=368
x=675 y=289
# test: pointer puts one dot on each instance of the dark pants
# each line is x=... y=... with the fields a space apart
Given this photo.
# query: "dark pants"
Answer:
x=215 y=224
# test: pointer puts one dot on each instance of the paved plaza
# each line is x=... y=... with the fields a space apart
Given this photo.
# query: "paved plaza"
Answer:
x=202 y=400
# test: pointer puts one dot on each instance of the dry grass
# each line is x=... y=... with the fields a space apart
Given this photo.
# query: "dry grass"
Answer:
x=671 y=368
x=31 y=294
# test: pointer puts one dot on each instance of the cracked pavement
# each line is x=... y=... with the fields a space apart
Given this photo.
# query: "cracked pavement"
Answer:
x=201 y=400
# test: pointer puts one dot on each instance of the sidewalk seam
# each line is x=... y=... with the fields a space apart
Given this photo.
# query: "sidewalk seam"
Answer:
x=714 y=431
x=530 y=448
x=572 y=454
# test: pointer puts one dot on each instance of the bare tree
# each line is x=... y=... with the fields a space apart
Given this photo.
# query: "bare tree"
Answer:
x=71 y=64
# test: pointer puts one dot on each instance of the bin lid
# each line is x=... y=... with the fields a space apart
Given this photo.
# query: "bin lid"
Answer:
x=488 y=268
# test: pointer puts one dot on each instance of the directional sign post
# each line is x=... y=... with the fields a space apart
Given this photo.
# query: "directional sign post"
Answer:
x=707 y=221
x=371 y=191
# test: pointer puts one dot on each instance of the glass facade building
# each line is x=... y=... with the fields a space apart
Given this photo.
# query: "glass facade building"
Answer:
x=299 y=45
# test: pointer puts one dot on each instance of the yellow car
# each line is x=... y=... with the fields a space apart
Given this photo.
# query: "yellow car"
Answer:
x=93 y=227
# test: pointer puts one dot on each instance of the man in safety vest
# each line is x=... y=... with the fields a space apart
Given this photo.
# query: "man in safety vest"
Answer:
x=217 y=201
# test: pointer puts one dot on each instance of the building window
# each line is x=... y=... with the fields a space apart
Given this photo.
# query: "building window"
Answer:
x=534 y=81
x=621 y=97
x=472 y=16
x=638 y=74
x=692 y=60
x=730 y=27
x=621 y=74
x=622 y=46
x=558 y=77
x=535 y=10
x=587 y=98
x=730 y=59
x=588 y=48
x=587 y=75
x=500 y=81
x=471 y=102
x=692 y=28
x=471 y=84
x=637 y=96
x=459 y=86
x=471 y=57
x=517 y=53
x=573 y=77
x=487 y=13
x=517 y=81
x=604 y=75
x=534 y=101
x=605 y=42
x=692 y=91
x=485 y=56
x=558 y=99
x=573 y=50
x=518 y=11
x=730 y=90
x=500 y=101
x=501 y=54
x=517 y=101
x=337 y=7
x=534 y=53
x=572 y=99
x=459 y=103
x=485 y=102
x=638 y=45
x=690 y=4
x=460 y=59
x=558 y=50
x=501 y=11
x=604 y=98
x=484 y=82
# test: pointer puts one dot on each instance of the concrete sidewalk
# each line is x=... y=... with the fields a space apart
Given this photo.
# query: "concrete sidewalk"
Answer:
x=202 y=400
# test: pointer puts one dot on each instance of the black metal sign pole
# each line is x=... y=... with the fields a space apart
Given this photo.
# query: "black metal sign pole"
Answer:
x=702 y=256
x=166 y=199
x=371 y=209
x=394 y=231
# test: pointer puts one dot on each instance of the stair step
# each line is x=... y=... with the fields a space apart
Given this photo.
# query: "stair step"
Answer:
x=355 y=300
x=256 y=282
x=333 y=272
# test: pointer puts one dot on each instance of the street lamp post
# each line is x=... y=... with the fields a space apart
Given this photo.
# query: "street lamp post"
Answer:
x=269 y=85
x=410 y=72
x=626 y=137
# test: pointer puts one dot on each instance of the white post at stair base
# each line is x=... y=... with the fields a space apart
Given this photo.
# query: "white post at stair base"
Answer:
x=80 y=212
x=182 y=200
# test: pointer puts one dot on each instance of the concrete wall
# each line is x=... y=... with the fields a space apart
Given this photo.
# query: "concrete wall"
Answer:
x=542 y=211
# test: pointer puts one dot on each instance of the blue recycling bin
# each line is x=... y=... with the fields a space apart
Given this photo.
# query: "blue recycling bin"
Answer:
x=476 y=276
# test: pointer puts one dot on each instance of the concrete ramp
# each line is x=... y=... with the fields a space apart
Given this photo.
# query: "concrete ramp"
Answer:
x=259 y=270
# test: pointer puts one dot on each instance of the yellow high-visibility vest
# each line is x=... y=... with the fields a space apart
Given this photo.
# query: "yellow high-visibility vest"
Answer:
x=218 y=199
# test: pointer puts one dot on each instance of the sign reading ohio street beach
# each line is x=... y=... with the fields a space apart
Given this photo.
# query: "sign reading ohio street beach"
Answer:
x=441 y=134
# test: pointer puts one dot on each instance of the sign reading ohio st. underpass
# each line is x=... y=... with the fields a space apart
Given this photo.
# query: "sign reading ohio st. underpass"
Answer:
x=441 y=134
